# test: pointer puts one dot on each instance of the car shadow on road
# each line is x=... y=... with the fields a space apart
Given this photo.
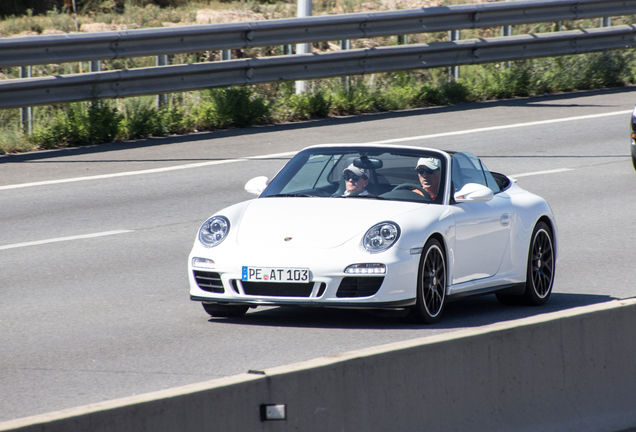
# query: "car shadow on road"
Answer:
x=465 y=313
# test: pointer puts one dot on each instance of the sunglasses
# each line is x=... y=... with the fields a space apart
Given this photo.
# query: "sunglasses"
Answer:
x=422 y=171
x=350 y=176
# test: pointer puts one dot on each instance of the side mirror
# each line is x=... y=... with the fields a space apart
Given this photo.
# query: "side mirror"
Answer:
x=473 y=192
x=256 y=185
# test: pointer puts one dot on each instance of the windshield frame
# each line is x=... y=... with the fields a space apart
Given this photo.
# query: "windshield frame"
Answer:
x=276 y=188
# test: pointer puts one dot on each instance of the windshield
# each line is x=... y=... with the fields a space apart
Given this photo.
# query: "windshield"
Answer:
x=363 y=172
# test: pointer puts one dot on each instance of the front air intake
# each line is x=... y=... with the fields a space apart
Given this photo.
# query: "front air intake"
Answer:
x=209 y=281
x=357 y=286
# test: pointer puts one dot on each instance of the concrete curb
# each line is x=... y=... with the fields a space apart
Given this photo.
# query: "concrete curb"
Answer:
x=573 y=370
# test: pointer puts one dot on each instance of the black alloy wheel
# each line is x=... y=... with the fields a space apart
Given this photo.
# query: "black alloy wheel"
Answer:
x=431 y=285
x=541 y=266
x=540 y=270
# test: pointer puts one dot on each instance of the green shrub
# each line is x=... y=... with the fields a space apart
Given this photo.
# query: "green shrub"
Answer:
x=233 y=107
x=173 y=121
x=140 y=119
x=53 y=133
x=20 y=7
x=13 y=141
x=355 y=99
x=428 y=95
x=76 y=124
x=607 y=69
x=454 y=92
x=39 y=7
x=103 y=122
x=304 y=106
x=498 y=82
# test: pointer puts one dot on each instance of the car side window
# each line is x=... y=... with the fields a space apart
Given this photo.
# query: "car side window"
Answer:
x=490 y=179
x=467 y=168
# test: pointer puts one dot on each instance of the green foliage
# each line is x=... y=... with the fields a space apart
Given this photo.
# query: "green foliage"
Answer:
x=233 y=107
x=559 y=74
x=173 y=121
x=428 y=95
x=140 y=119
x=497 y=82
x=40 y=7
x=13 y=141
x=353 y=99
x=97 y=121
x=304 y=106
x=454 y=92
x=77 y=124
x=20 y=7
x=104 y=120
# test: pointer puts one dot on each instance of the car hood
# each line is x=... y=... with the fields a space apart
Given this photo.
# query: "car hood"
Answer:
x=313 y=222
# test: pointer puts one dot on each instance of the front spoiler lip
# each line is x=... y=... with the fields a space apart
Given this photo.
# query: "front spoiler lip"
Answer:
x=346 y=305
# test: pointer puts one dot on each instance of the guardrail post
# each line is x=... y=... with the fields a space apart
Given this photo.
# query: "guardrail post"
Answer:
x=96 y=66
x=304 y=10
x=453 y=71
x=505 y=32
x=346 y=80
x=26 y=114
x=606 y=22
x=402 y=40
x=226 y=54
x=287 y=49
x=162 y=99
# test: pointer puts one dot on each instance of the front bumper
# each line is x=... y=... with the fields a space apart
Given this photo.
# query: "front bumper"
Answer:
x=329 y=285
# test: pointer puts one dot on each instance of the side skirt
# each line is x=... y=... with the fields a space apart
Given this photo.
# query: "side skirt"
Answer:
x=510 y=289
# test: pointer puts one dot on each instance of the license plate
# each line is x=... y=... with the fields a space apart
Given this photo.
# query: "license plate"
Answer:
x=269 y=274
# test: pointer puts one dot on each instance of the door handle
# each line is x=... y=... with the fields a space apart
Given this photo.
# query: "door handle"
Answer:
x=504 y=219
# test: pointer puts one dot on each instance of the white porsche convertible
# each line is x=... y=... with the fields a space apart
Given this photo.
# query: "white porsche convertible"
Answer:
x=376 y=227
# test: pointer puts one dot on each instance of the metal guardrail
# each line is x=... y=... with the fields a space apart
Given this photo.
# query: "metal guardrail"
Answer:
x=143 y=81
x=123 y=83
x=31 y=50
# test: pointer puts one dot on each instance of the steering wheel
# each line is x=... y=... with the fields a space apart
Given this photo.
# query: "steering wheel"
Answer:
x=410 y=187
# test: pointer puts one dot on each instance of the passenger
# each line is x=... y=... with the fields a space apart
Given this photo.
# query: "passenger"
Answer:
x=356 y=180
x=429 y=174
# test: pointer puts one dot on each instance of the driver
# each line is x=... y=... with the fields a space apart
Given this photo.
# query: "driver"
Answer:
x=428 y=173
x=356 y=180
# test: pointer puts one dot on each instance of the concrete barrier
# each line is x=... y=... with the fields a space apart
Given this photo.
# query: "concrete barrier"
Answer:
x=566 y=371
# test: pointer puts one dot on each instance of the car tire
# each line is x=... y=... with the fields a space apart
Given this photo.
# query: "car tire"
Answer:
x=634 y=161
x=225 y=311
x=540 y=270
x=431 y=285
x=541 y=266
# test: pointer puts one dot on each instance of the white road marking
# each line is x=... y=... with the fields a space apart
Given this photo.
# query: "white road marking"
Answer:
x=141 y=172
x=396 y=140
x=62 y=239
x=514 y=176
x=495 y=128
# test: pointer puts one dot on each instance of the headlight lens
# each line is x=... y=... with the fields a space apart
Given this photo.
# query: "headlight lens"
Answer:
x=214 y=231
x=381 y=236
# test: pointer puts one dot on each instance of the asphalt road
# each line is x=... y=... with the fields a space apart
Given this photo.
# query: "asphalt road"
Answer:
x=93 y=244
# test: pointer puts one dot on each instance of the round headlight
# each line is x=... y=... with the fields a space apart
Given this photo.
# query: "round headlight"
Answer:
x=214 y=231
x=382 y=236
